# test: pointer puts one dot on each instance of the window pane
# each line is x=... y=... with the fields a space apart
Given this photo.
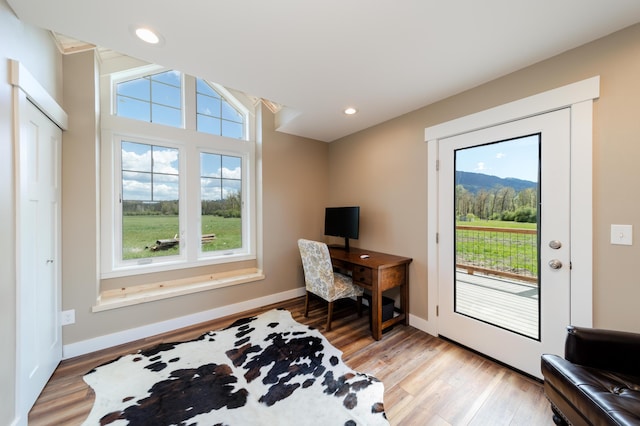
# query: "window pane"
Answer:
x=136 y=157
x=230 y=113
x=165 y=160
x=166 y=115
x=211 y=105
x=211 y=188
x=210 y=164
x=169 y=77
x=136 y=186
x=221 y=199
x=150 y=234
x=230 y=188
x=138 y=89
x=165 y=187
x=231 y=167
x=232 y=130
x=165 y=94
x=132 y=108
x=204 y=88
x=152 y=98
x=208 y=124
x=150 y=200
x=208 y=106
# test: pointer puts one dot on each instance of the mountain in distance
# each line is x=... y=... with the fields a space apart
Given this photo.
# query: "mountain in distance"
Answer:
x=474 y=182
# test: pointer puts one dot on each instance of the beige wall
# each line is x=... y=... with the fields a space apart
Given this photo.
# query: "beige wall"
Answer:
x=36 y=50
x=295 y=188
x=384 y=169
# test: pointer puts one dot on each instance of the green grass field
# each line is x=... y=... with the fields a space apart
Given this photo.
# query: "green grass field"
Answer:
x=498 y=250
x=141 y=232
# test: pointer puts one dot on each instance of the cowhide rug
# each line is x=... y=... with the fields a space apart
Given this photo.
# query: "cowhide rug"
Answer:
x=263 y=370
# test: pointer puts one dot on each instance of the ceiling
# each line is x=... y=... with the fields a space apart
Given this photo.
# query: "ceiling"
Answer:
x=315 y=58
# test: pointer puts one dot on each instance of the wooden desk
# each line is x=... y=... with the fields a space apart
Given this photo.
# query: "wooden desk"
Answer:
x=378 y=273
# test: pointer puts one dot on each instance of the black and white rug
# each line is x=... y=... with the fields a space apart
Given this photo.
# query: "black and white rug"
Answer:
x=263 y=370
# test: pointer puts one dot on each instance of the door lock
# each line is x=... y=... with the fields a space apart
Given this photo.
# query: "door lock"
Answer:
x=555 y=244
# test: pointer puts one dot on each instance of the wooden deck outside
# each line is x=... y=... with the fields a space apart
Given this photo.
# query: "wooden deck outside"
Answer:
x=505 y=303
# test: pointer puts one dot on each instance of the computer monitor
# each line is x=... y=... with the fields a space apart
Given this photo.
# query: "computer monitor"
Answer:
x=342 y=222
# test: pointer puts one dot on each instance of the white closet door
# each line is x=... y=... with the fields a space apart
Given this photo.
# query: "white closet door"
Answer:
x=39 y=346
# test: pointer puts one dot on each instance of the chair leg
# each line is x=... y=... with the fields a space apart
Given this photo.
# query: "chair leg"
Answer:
x=329 y=316
x=306 y=305
x=359 y=301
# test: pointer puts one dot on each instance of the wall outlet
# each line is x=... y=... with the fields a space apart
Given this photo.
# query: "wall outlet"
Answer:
x=68 y=317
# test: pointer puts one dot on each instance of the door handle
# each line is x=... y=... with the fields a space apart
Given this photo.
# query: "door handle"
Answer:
x=555 y=264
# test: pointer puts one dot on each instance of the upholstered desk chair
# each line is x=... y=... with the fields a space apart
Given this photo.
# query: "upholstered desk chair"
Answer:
x=321 y=280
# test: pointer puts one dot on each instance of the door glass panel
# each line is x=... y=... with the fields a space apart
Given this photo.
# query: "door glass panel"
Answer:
x=496 y=234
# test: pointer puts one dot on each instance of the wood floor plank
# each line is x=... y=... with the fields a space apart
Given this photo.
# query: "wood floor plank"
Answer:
x=428 y=380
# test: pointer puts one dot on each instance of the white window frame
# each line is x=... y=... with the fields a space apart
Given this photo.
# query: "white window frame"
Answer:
x=190 y=143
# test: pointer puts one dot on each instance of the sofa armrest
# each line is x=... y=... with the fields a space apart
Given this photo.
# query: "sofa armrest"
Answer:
x=610 y=350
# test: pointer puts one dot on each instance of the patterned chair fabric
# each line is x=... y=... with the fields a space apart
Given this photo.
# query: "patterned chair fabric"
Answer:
x=321 y=280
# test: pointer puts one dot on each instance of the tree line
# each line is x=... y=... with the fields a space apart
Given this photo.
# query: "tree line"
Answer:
x=498 y=203
x=229 y=207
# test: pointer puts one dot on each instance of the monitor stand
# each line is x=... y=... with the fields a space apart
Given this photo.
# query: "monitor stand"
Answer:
x=344 y=247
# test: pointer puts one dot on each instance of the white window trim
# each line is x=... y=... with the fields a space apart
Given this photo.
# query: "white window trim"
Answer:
x=115 y=128
x=579 y=98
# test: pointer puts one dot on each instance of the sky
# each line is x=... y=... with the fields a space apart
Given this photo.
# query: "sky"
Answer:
x=517 y=158
x=220 y=174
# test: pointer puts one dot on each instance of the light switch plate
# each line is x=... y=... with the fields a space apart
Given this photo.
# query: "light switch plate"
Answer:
x=622 y=234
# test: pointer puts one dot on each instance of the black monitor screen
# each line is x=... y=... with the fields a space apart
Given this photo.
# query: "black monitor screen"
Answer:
x=342 y=222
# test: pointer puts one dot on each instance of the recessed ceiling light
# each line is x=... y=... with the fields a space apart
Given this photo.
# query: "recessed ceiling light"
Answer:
x=147 y=35
x=350 y=111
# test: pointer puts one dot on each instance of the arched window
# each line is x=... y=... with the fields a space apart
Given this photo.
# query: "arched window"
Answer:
x=178 y=173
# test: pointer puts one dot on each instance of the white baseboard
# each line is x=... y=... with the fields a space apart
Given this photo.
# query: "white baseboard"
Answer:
x=103 y=342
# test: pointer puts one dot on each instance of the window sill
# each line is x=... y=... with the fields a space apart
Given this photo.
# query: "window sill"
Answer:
x=128 y=296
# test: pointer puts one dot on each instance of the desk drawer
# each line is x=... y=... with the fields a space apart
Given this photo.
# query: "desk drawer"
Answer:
x=362 y=275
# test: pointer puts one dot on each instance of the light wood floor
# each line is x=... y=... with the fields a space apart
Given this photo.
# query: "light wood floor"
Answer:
x=428 y=381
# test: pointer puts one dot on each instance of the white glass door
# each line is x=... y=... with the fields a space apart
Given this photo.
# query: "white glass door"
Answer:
x=504 y=250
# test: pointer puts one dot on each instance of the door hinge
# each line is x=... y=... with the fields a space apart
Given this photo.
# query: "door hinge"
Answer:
x=437 y=310
x=437 y=237
x=437 y=165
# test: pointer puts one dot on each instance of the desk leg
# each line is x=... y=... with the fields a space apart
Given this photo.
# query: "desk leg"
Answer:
x=376 y=316
x=376 y=309
x=404 y=296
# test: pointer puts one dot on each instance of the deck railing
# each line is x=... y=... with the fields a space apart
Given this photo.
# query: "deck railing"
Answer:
x=504 y=252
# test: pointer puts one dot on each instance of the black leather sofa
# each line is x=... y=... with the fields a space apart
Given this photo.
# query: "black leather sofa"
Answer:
x=598 y=380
